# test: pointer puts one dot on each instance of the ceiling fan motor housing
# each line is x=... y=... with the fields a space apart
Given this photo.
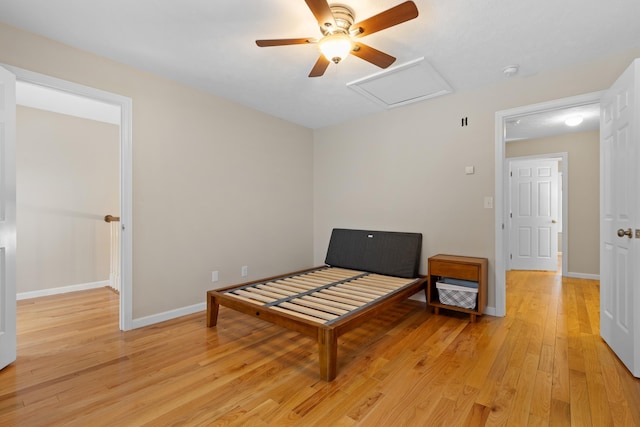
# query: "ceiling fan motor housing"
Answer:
x=344 y=17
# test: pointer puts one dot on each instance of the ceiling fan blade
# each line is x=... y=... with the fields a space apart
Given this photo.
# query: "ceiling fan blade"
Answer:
x=390 y=17
x=284 y=42
x=321 y=66
x=322 y=12
x=372 y=55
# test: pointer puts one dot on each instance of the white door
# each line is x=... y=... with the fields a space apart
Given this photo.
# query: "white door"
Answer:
x=7 y=218
x=620 y=218
x=534 y=214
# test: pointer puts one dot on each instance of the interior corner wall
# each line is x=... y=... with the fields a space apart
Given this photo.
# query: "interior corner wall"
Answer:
x=404 y=169
x=583 y=237
x=67 y=175
x=216 y=185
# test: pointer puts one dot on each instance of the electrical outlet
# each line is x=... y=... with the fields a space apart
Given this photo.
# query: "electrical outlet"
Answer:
x=214 y=276
x=245 y=271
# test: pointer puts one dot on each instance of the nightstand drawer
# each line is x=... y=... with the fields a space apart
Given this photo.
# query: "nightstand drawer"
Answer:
x=454 y=270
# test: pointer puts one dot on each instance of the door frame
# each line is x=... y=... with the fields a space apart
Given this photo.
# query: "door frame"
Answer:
x=564 y=158
x=501 y=184
x=126 y=175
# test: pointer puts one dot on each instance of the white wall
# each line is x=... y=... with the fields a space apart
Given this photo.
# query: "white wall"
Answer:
x=404 y=169
x=67 y=178
x=216 y=185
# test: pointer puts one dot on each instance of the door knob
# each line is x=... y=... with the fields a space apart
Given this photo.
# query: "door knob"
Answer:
x=111 y=218
x=553 y=221
x=622 y=233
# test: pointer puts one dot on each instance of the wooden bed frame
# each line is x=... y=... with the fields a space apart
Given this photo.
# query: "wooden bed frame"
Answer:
x=321 y=302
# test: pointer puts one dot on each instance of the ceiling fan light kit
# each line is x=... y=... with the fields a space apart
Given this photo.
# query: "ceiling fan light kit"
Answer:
x=339 y=32
x=335 y=47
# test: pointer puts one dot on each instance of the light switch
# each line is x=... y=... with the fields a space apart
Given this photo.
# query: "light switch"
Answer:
x=469 y=170
x=488 y=202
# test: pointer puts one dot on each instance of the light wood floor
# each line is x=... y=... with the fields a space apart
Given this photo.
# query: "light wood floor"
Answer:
x=543 y=364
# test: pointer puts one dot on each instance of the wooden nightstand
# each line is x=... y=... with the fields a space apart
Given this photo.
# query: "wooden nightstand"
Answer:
x=457 y=267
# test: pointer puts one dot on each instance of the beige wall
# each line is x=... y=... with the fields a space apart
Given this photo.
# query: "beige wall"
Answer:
x=215 y=185
x=404 y=169
x=67 y=178
x=584 y=193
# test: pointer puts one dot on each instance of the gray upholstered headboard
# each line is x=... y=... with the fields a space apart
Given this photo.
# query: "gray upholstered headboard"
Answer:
x=383 y=252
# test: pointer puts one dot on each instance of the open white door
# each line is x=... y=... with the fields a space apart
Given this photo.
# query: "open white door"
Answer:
x=533 y=230
x=7 y=218
x=620 y=218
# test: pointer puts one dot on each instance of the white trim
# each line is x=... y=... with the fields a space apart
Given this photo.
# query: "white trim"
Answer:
x=126 y=176
x=583 y=276
x=500 y=181
x=44 y=98
x=62 y=290
x=490 y=311
x=168 y=315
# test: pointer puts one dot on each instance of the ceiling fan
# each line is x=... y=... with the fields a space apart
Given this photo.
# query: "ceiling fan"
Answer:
x=339 y=33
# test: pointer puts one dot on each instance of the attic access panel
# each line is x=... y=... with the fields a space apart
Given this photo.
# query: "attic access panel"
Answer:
x=410 y=82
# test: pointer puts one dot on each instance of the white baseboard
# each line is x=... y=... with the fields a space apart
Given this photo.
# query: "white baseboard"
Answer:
x=185 y=311
x=583 y=276
x=420 y=296
x=491 y=311
x=167 y=315
x=61 y=290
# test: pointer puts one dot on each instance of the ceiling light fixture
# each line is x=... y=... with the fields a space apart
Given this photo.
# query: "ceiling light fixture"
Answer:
x=573 y=120
x=335 y=47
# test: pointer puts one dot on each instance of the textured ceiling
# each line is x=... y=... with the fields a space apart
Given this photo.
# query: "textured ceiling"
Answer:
x=210 y=44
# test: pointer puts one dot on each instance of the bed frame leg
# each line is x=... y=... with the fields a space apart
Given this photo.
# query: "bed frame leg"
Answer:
x=212 y=310
x=328 y=353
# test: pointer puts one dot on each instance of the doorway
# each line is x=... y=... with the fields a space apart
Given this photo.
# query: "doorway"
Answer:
x=68 y=169
x=501 y=183
x=125 y=135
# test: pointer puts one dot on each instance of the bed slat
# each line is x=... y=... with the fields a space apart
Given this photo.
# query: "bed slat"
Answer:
x=310 y=311
x=276 y=290
x=301 y=315
x=320 y=306
x=338 y=298
x=329 y=302
x=253 y=295
x=344 y=295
